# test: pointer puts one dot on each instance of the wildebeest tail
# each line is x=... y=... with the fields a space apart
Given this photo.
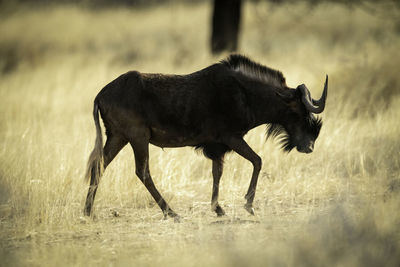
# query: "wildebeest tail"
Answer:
x=95 y=165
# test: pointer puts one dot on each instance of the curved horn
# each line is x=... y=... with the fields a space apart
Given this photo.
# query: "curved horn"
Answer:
x=321 y=101
x=314 y=106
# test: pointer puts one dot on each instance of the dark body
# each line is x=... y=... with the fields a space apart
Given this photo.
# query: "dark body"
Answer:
x=185 y=110
x=211 y=109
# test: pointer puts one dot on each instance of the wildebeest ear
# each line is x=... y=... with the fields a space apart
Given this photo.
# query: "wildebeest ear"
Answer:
x=286 y=94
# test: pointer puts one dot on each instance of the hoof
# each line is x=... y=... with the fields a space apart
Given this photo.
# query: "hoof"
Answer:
x=87 y=211
x=249 y=208
x=172 y=214
x=177 y=219
x=220 y=212
x=83 y=219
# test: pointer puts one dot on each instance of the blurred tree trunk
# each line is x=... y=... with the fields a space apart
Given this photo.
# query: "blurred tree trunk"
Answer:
x=225 y=25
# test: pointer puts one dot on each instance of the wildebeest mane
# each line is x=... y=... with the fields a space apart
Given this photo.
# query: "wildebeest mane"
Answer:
x=255 y=70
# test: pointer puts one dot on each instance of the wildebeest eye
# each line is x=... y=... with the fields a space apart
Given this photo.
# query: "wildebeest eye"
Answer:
x=287 y=94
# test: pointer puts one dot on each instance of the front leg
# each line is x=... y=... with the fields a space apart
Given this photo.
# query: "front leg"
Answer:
x=217 y=167
x=240 y=146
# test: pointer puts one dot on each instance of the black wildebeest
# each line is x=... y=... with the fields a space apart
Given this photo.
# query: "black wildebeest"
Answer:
x=211 y=109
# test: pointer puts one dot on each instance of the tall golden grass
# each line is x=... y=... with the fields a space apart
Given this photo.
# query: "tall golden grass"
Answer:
x=337 y=206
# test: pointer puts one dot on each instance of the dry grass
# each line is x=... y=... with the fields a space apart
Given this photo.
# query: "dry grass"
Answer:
x=337 y=206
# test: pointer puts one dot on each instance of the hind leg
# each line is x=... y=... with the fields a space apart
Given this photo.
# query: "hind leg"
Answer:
x=140 y=145
x=113 y=145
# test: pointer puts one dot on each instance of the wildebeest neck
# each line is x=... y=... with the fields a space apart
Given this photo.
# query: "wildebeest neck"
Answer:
x=265 y=105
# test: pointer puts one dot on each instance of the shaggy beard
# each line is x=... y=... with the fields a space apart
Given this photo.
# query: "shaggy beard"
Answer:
x=278 y=131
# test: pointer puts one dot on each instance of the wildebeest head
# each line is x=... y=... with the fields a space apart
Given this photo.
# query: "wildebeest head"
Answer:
x=299 y=126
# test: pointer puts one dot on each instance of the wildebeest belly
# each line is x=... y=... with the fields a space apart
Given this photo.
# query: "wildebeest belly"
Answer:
x=175 y=138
